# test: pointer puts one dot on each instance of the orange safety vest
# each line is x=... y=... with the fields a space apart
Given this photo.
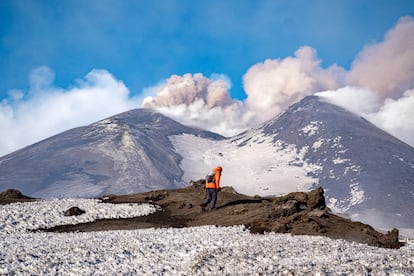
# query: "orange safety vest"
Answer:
x=216 y=183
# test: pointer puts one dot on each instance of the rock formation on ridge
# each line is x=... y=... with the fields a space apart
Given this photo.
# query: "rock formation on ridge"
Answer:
x=297 y=213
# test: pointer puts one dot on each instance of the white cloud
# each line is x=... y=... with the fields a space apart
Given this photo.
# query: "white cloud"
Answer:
x=275 y=84
x=394 y=116
x=387 y=67
x=47 y=110
x=356 y=99
x=379 y=86
x=397 y=117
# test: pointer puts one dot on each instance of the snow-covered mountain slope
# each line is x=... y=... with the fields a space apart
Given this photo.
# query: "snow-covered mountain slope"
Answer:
x=365 y=172
x=126 y=153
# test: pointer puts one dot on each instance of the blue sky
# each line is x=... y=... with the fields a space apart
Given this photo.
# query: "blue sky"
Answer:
x=67 y=63
x=144 y=42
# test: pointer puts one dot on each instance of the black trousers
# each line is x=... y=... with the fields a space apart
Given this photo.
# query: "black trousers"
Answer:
x=211 y=197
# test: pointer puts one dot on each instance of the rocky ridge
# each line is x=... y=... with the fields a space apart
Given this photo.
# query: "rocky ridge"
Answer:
x=297 y=213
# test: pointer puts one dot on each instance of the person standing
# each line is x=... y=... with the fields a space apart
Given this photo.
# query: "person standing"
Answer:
x=212 y=188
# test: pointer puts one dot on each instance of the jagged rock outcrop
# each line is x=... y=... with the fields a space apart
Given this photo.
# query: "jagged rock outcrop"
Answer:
x=12 y=195
x=296 y=213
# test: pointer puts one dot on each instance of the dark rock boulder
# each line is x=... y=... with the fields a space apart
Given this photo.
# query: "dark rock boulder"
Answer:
x=316 y=199
x=74 y=211
x=12 y=195
x=391 y=238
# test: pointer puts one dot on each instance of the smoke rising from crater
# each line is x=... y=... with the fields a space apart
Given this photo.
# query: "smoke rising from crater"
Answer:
x=378 y=86
x=387 y=68
x=270 y=86
x=199 y=101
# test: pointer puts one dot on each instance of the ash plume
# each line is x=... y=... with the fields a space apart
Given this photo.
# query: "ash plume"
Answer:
x=379 y=86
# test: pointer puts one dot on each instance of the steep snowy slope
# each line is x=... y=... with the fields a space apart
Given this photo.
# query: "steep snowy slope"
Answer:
x=365 y=172
x=123 y=154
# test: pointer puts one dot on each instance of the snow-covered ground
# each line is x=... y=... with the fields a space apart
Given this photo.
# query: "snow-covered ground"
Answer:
x=189 y=251
x=19 y=217
x=272 y=163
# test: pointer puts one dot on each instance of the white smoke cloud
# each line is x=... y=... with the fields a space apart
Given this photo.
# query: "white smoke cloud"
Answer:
x=359 y=100
x=273 y=85
x=387 y=67
x=397 y=117
x=46 y=110
x=270 y=86
x=196 y=100
x=189 y=88
x=382 y=76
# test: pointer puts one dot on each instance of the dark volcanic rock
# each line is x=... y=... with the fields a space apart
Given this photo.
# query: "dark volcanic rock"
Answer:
x=74 y=211
x=296 y=213
x=11 y=193
x=11 y=196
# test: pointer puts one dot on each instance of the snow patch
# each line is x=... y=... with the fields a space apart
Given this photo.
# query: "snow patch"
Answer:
x=316 y=145
x=357 y=194
x=332 y=202
x=20 y=217
x=127 y=142
x=336 y=143
x=339 y=160
x=400 y=159
x=311 y=128
x=352 y=168
x=280 y=167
